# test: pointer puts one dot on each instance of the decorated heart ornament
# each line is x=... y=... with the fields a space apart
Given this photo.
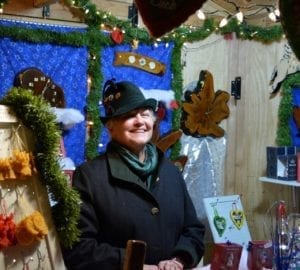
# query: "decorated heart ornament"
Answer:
x=162 y=16
x=238 y=217
x=117 y=36
x=220 y=224
x=289 y=18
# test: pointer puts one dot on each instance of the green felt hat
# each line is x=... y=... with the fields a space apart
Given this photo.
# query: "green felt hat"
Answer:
x=123 y=97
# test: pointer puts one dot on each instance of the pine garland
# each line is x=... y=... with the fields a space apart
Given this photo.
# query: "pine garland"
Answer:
x=35 y=113
x=177 y=86
x=285 y=111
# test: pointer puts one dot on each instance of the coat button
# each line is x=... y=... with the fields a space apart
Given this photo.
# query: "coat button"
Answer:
x=154 y=211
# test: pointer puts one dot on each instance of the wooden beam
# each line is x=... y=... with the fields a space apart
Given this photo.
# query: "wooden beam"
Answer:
x=40 y=3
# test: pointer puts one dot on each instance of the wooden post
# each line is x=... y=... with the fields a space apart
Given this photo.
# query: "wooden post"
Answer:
x=134 y=255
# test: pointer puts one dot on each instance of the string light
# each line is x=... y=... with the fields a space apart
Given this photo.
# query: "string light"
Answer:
x=1 y=6
x=200 y=14
x=224 y=21
x=240 y=16
x=277 y=12
x=274 y=14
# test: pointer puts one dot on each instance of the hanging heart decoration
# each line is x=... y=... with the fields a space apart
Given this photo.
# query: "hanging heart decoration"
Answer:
x=238 y=217
x=162 y=16
x=289 y=18
x=117 y=36
x=219 y=223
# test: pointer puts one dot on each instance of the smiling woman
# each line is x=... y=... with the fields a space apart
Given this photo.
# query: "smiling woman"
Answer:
x=133 y=192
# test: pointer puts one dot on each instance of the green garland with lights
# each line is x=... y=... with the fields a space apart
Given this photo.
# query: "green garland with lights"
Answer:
x=34 y=112
x=285 y=112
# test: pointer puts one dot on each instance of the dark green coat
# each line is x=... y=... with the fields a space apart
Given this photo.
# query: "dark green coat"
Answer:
x=117 y=207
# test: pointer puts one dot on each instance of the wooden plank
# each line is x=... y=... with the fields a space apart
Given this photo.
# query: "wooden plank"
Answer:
x=40 y=3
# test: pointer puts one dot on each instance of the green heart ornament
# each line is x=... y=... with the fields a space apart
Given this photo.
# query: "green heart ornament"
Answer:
x=220 y=224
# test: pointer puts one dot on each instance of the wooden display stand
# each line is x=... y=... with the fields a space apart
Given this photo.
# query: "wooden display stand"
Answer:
x=41 y=254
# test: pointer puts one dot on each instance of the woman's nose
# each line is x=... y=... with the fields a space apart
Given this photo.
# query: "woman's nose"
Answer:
x=138 y=118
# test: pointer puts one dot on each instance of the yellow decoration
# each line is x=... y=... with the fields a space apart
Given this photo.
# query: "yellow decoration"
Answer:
x=6 y=171
x=21 y=163
x=31 y=228
x=39 y=223
x=23 y=237
x=238 y=217
x=135 y=44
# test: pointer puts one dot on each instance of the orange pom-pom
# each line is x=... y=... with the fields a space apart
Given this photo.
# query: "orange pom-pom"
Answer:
x=24 y=238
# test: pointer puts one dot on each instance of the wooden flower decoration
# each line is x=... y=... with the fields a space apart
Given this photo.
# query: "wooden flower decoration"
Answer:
x=205 y=108
x=167 y=140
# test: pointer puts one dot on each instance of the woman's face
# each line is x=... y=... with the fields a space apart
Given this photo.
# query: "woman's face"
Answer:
x=133 y=130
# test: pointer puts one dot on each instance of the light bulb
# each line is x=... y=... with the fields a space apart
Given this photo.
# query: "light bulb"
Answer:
x=200 y=14
x=223 y=22
x=239 y=16
x=272 y=16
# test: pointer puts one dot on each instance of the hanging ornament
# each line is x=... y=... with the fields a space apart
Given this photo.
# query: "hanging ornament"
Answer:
x=135 y=44
x=7 y=225
x=160 y=17
x=237 y=216
x=289 y=14
x=117 y=36
x=219 y=222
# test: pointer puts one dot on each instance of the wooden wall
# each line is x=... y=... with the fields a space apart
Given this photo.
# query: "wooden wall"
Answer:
x=253 y=119
x=252 y=123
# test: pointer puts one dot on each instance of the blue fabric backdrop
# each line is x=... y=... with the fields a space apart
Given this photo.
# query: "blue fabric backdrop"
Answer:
x=67 y=66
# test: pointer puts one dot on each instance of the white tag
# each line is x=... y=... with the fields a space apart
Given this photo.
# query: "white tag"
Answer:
x=7 y=115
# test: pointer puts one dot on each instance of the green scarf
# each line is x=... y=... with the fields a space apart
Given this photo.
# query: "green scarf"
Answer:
x=145 y=170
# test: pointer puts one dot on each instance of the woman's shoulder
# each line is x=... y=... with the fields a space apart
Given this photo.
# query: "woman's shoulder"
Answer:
x=99 y=160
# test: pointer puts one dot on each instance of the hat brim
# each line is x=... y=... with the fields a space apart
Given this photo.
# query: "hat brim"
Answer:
x=148 y=103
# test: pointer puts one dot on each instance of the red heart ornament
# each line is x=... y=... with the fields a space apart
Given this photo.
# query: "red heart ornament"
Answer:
x=117 y=36
x=161 y=16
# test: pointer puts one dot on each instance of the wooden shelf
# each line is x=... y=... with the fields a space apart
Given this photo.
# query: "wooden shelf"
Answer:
x=280 y=182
